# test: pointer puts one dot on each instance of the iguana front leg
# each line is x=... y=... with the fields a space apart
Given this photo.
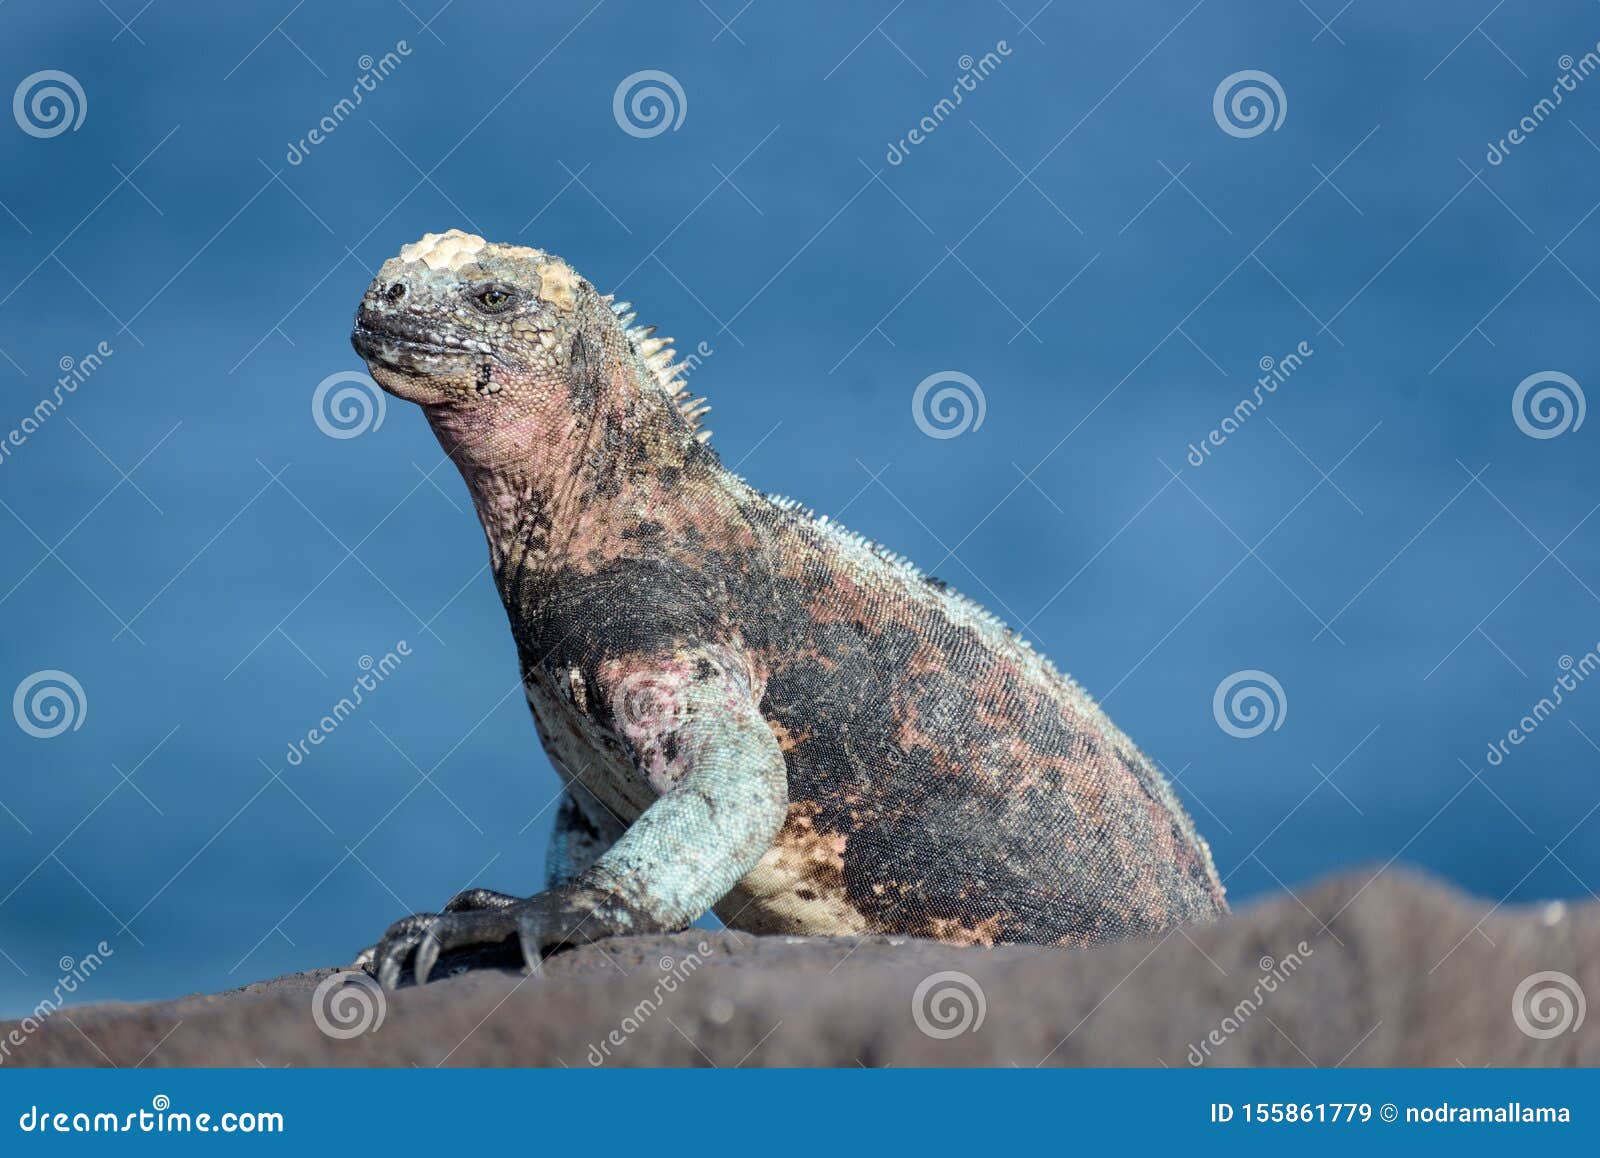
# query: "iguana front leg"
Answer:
x=692 y=724
x=583 y=833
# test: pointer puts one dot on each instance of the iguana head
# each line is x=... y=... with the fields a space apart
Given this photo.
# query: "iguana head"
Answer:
x=513 y=355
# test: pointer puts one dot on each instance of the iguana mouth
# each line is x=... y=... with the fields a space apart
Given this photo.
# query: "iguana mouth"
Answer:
x=395 y=346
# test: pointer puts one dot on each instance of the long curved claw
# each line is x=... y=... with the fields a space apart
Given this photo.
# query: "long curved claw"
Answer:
x=462 y=929
x=427 y=957
x=401 y=938
x=392 y=962
x=428 y=934
x=531 y=936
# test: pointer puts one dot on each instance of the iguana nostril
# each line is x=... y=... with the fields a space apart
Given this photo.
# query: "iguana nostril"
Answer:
x=395 y=292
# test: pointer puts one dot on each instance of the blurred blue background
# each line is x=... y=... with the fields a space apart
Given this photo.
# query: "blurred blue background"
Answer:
x=1081 y=236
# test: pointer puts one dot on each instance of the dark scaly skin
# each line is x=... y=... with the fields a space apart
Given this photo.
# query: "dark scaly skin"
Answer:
x=752 y=709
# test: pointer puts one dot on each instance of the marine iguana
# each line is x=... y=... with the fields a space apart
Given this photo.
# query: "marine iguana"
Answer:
x=753 y=710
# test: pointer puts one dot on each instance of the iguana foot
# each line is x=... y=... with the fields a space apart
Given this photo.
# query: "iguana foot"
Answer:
x=470 y=900
x=567 y=915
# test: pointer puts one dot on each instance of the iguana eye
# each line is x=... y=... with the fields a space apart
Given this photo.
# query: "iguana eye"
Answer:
x=495 y=298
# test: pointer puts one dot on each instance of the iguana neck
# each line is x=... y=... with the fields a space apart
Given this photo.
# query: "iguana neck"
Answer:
x=559 y=490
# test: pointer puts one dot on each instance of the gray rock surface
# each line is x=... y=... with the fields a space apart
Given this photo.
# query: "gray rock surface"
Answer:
x=1365 y=969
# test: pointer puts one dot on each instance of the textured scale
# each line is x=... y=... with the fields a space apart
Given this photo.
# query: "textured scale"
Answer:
x=752 y=707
